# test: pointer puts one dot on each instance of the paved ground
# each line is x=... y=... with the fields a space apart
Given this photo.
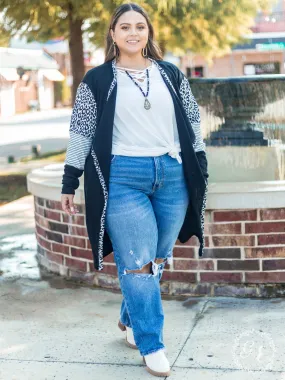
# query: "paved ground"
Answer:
x=17 y=217
x=53 y=329
x=49 y=129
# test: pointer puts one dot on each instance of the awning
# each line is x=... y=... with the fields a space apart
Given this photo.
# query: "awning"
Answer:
x=53 y=75
x=9 y=74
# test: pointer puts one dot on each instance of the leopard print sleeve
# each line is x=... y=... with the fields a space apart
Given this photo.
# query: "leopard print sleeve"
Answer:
x=81 y=132
x=82 y=127
x=192 y=111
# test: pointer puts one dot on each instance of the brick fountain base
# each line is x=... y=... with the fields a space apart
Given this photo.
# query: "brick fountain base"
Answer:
x=244 y=231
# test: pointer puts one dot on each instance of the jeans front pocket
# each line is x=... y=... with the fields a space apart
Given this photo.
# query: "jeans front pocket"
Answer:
x=113 y=157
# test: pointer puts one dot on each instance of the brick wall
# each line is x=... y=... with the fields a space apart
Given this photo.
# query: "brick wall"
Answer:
x=244 y=254
x=232 y=64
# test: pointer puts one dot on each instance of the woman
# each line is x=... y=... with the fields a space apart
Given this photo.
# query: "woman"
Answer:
x=135 y=133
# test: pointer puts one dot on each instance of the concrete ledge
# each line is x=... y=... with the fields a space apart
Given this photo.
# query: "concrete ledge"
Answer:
x=45 y=182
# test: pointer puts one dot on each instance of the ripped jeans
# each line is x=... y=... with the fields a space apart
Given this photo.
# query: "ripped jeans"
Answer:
x=146 y=207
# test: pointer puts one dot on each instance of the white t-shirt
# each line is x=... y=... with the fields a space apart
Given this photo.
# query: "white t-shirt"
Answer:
x=138 y=131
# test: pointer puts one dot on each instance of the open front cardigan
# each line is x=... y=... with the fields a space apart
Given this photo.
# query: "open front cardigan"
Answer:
x=90 y=145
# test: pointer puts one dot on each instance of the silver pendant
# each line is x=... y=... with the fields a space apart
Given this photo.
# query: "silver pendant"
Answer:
x=147 y=104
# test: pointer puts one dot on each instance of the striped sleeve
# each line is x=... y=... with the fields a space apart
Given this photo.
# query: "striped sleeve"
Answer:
x=82 y=127
x=192 y=110
x=81 y=133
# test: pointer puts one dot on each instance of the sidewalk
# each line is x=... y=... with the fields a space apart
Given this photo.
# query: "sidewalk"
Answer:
x=48 y=129
x=35 y=115
x=53 y=329
x=69 y=334
x=17 y=217
x=24 y=167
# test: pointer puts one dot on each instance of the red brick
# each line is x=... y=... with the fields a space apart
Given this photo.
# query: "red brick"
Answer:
x=54 y=236
x=40 y=201
x=42 y=221
x=109 y=258
x=73 y=219
x=238 y=264
x=83 y=253
x=88 y=245
x=273 y=264
x=265 y=252
x=271 y=239
x=78 y=231
x=221 y=277
x=222 y=253
x=237 y=215
x=75 y=241
x=178 y=276
x=184 y=252
x=76 y=264
x=58 y=227
x=39 y=210
x=54 y=257
x=264 y=227
x=56 y=247
x=54 y=215
x=108 y=269
x=264 y=277
x=193 y=264
x=223 y=229
x=233 y=241
x=272 y=214
x=44 y=243
x=55 y=205
x=193 y=241
x=41 y=231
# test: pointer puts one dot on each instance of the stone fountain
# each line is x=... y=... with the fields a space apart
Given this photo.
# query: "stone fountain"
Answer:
x=244 y=126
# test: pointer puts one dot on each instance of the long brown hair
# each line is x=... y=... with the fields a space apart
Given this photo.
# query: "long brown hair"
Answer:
x=153 y=49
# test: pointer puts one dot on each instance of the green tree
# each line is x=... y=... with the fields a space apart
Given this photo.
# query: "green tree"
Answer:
x=209 y=27
x=44 y=20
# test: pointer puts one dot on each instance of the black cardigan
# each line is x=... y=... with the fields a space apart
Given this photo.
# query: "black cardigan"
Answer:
x=90 y=145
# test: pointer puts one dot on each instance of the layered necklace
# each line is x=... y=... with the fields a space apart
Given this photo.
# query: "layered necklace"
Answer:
x=147 y=104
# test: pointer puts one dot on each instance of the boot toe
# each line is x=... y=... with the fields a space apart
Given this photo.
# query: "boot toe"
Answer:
x=157 y=363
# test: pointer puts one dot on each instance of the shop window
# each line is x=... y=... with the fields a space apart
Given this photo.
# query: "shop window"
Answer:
x=261 y=68
x=195 y=72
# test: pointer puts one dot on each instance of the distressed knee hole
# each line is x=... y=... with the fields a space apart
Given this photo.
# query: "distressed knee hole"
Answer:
x=150 y=268
x=145 y=269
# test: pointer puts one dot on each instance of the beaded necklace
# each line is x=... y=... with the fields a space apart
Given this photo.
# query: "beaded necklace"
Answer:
x=147 y=104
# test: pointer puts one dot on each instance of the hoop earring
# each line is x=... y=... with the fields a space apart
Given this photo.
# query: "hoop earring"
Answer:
x=116 y=52
x=144 y=54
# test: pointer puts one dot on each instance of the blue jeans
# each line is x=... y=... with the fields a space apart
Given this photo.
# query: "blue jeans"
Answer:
x=147 y=204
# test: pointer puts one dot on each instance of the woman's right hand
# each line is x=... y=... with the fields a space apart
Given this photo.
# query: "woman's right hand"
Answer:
x=67 y=204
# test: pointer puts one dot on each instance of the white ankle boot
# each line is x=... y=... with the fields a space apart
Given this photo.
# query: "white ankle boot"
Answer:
x=130 y=340
x=157 y=363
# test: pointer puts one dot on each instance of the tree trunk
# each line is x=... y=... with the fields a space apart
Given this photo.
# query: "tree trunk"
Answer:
x=76 y=52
